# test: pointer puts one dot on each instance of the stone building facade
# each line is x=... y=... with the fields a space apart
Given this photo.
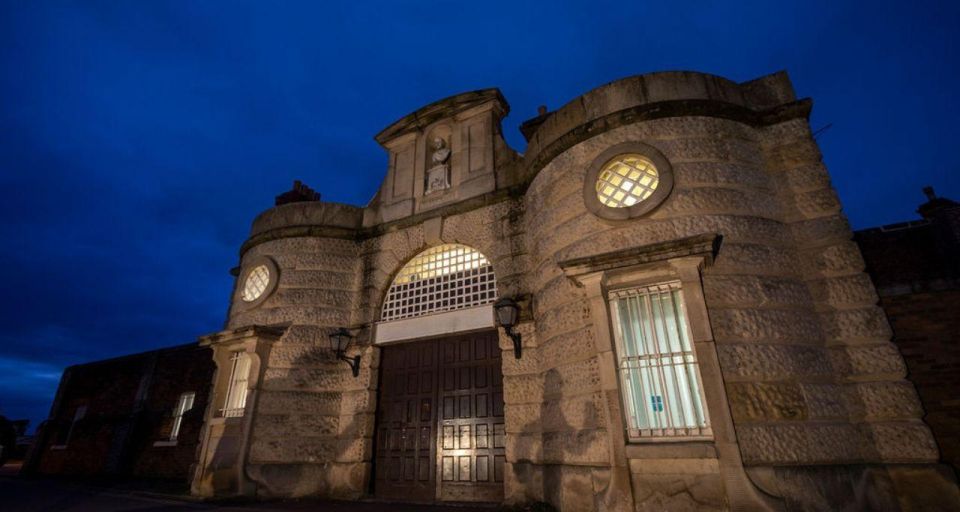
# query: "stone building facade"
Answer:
x=799 y=399
x=695 y=330
x=915 y=267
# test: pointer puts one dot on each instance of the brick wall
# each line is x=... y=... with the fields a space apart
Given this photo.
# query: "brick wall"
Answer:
x=129 y=408
x=926 y=327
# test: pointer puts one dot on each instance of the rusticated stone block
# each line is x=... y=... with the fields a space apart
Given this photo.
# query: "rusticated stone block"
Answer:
x=296 y=315
x=288 y=402
x=721 y=174
x=856 y=324
x=825 y=401
x=844 y=290
x=306 y=297
x=797 y=152
x=522 y=418
x=564 y=319
x=784 y=325
x=529 y=363
x=569 y=347
x=576 y=447
x=815 y=232
x=755 y=259
x=835 y=260
x=582 y=412
x=708 y=200
x=340 y=263
x=358 y=401
x=884 y=400
x=773 y=361
x=875 y=359
x=900 y=442
x=766 y=401
x=525 y=447
x=304 y=245
x=292 y=449
x=307 y=425
x=315 y=379
x=522 y=389
x=558 y=291
x=572 y=379
x=815 y=203
x=754 y=291
x=798 y=443
x=806 y=178
x=317 y=279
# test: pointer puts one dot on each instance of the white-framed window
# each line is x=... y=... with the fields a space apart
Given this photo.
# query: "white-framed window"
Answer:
x=64 y=438
x=184 y=404
x=236 y=399
x=660 y=380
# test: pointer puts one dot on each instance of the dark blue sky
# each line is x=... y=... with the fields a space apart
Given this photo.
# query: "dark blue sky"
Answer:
x=139 y=139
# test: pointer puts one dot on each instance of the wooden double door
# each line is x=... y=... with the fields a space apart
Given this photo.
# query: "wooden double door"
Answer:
x=440 y=429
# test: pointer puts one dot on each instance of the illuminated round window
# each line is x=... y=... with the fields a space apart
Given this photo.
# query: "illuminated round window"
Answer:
x=627 y=180
x=256 y=283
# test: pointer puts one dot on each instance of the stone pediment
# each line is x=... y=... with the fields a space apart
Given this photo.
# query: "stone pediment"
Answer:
x=448 y=107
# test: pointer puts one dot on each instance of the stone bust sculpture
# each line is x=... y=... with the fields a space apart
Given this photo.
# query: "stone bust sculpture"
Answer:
x=440 y=151
x=438 y=175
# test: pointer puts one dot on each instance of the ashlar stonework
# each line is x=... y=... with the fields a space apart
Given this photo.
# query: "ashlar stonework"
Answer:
x=805 y=398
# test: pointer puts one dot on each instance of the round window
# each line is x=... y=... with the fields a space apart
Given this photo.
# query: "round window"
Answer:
x=256 y=283
x=626 y=181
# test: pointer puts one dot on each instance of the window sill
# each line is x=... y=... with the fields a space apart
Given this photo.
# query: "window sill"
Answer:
x=165 y=443
x=668 y=449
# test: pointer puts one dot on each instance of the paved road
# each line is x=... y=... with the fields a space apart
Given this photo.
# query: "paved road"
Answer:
x=28 y=495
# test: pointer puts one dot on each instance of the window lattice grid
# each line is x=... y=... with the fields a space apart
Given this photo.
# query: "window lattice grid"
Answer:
x=662 y=391
x=627 y=180
x=236 y=399
x=443 y=278
x=256 y=282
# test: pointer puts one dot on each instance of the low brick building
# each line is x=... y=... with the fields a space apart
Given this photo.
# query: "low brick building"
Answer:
x=915 y=267
x=137 y=416
x=659 y=305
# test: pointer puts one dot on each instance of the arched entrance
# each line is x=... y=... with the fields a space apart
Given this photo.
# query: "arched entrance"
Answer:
x=440 y=425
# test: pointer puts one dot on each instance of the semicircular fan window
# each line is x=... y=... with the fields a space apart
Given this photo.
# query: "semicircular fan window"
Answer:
x=442 y=278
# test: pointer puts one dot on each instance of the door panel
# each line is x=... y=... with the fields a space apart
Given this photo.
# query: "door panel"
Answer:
x=441 y=418
x=471 y=459
x=406 y=447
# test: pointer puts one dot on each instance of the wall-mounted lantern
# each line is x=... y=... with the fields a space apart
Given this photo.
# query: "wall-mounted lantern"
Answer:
x=508 y=311
x=339 y=342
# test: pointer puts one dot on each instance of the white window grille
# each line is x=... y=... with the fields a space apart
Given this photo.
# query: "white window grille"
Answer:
x=442 y=278
x=662 y=391
x=184 y=404
x=256 y=283
x=236 y=399
x=626 y=180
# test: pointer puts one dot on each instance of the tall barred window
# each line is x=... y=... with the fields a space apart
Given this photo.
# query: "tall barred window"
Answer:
x=236 y=399
x=660 y=379
x=442 y=278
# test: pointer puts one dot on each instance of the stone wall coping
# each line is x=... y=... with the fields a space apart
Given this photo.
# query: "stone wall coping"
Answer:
x=308 y=213
x=253 y=331
x=760 y=102
x=447 y=107
x=706 y=245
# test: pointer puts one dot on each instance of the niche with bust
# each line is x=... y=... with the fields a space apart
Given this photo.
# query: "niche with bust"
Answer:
x=437 y=174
